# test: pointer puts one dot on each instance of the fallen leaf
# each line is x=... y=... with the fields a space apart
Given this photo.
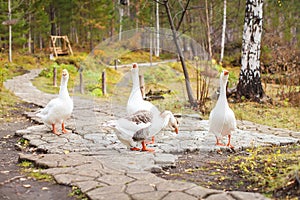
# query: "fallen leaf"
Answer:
x=23 y=179
x=27 y=186
x=45 y=188
x=4 y=172
x=7 y=136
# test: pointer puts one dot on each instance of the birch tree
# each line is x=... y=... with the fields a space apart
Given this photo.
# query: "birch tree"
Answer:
x=249 y=85
x=223 y=33
x=208 y=30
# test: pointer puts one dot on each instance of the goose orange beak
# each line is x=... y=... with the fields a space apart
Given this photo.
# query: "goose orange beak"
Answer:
x=176 y=130
x=226 y=72
x=134 y=65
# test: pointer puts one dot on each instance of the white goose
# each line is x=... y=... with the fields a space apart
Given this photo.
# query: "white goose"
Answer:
x=60 y=108
x=222 y=119
x=136 y=102
x=137 y=128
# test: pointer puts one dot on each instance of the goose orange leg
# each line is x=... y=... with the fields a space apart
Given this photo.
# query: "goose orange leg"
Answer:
x=54 y=130
x=63 y=128
x=144 y=148
x=228 y=144
x=152 y=140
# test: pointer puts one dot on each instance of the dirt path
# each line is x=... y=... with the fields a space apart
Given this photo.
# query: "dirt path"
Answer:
x=13 y=183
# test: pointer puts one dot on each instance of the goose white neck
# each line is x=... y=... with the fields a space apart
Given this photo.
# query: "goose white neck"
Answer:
x=223 y=84
x=135 y=77
x=161 y=121
x=135 y=95
x=63 y=91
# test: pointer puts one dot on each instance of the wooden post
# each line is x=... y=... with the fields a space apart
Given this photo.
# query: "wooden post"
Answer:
x=81 y=82
x=142 y=85
x=116 y=64
x=104 y=83
x=54 y=76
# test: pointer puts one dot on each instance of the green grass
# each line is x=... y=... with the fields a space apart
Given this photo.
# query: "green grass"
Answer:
x=76 y=192
x=271 y=115
x=267 y=169
x=29 y=169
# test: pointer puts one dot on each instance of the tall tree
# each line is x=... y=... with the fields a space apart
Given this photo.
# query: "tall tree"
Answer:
x=180 y=53
x=249 y=85
x=10 y=33
x=208 y=30
x=223 y=33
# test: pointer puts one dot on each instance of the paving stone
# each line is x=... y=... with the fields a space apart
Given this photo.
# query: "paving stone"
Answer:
x=222 y=196
x=133 y=188
x=28 y=157
x=74 y=159
x=174 y=186
x=115 y=179
x=165 y=159
x=98 y=192
x=32 y=137
x=22 y=132
x=55 y=171
x=155 y=195
x=113 y=196
x=91 y=170
x=201 y=192
x=36 y=142
x=179 y=196
x=68 y=179
x=145 y=178
x=247 y=195
x=86 y=186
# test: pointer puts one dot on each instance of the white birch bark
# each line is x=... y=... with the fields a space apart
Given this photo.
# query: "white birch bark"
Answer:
x=223 y=33
x=157 y=30
x=10 y=33
x=208 y=30
x=249 y=84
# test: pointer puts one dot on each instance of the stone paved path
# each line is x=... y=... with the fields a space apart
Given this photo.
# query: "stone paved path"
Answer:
x=94 y=160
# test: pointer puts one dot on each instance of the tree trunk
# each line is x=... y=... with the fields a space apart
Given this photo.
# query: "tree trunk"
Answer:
x=208 y=30
x=121 y=11
x=10 y=33
x=249 y=85
x=185 y=72
x=157 y=30
x=52 y=19
x=29 y=34
x=104 y=83
x=223 y=33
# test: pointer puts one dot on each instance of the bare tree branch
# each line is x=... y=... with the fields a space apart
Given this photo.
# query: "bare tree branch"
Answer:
x=182 y=15
x=157 y=1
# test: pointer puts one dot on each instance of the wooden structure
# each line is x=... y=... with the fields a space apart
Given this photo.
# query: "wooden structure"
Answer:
x=60 y=45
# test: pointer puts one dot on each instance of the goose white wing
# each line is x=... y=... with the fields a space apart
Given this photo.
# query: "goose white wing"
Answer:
x=125 y=129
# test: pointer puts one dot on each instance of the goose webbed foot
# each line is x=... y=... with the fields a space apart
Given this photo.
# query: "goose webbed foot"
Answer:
x=218 y=143
x=63 y=128
x=144 y=148
x=54 y=130
x=228 y=144
x=135 y=149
